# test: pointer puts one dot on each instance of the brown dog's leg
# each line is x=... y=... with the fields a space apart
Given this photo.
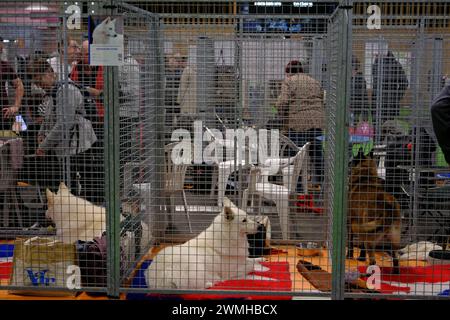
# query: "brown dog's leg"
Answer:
x=350 y=250
x=371 y=251
x=362 y=253
x=395 y=262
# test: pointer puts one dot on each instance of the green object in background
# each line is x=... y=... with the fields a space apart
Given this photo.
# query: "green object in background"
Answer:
x=365 y=147
x=405 y=112
x=274 y=110
x=440 y=159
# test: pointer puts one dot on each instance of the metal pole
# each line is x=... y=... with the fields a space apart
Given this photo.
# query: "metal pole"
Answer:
x=379 y=94
x=437 y=68
x=112 y=175
x=66 y=136
x=154 y=139
x=340 y=183
x=418 y=107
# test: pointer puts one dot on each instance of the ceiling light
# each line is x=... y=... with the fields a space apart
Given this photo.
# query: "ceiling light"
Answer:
x=36 y=7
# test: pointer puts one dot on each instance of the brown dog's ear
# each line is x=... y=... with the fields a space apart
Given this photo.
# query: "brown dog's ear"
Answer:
x=62 y=186
x=229 y=214
x=50 y=197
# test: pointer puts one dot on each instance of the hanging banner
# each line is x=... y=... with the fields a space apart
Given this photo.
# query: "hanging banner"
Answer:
x=105 y=40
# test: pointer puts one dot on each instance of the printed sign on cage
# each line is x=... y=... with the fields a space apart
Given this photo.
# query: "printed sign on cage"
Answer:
x=105 y=40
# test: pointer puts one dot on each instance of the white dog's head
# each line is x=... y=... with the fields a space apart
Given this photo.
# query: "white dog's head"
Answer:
x=236 y=219
x=106 y=29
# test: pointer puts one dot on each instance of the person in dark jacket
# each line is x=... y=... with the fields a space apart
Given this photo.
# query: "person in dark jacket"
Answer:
x=90 y=79
x=440 y=115
x=359 y=102
x=389 y=86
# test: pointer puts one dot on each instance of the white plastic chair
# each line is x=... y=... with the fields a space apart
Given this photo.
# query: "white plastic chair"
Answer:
x=279 y=194
x=223 y=169
x=174 y=175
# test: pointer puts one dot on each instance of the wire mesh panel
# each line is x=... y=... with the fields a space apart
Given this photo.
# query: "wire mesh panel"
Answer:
x=53 y=200
x=233 y=189
x=141 y=132
x=259 y=149
x=397 y=201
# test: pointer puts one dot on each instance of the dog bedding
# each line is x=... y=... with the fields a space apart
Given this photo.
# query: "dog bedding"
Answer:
x=6 y=260
x=425 y=281
x=280 y=280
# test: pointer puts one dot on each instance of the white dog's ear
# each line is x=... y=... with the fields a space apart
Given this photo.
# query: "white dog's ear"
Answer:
x=50 y=197
x=229 y=213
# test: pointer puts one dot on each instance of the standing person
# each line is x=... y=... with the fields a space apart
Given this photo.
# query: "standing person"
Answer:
x=389 y=86
x=301 y=111
x=173 y=72
x=359 y=102
x=65 y=132
x=440 y=115
x=90 y=79
x=187 y=96
x=9 y=76
x=129 y=101
x=58 y=63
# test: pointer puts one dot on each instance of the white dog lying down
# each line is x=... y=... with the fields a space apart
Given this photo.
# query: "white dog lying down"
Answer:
x=418 y=251
x=219 y=253
x=78 y=219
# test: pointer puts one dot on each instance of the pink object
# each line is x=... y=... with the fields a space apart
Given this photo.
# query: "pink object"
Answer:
x=364 y=129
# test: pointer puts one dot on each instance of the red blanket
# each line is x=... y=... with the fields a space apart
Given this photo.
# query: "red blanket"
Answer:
x=429 y=280
x=280 y=280
x=279 y=272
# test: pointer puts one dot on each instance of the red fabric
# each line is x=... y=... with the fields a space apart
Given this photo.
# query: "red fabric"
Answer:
x=278 y=271
x=5 y=270
x=409 y=277
x=99 y=86
x=99 y=83
x=306 y=201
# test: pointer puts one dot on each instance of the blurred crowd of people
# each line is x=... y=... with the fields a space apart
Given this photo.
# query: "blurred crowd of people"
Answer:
x=60 y=99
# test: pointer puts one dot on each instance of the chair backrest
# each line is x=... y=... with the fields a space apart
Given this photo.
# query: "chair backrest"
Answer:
x=6 y=172
x=300 y=164
x=287 y=145
x=174 y=174
x=213 y=136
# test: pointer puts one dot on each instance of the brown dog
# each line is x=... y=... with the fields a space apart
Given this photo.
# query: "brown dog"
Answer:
x=374 y=215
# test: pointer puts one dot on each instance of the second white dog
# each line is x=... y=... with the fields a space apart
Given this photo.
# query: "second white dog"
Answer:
x=105 y=33
x=219 y=253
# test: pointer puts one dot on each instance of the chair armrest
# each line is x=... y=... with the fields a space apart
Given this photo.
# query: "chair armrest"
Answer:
x=278 y=163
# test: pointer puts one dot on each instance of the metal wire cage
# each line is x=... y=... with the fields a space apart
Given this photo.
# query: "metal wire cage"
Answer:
x=215 y=148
